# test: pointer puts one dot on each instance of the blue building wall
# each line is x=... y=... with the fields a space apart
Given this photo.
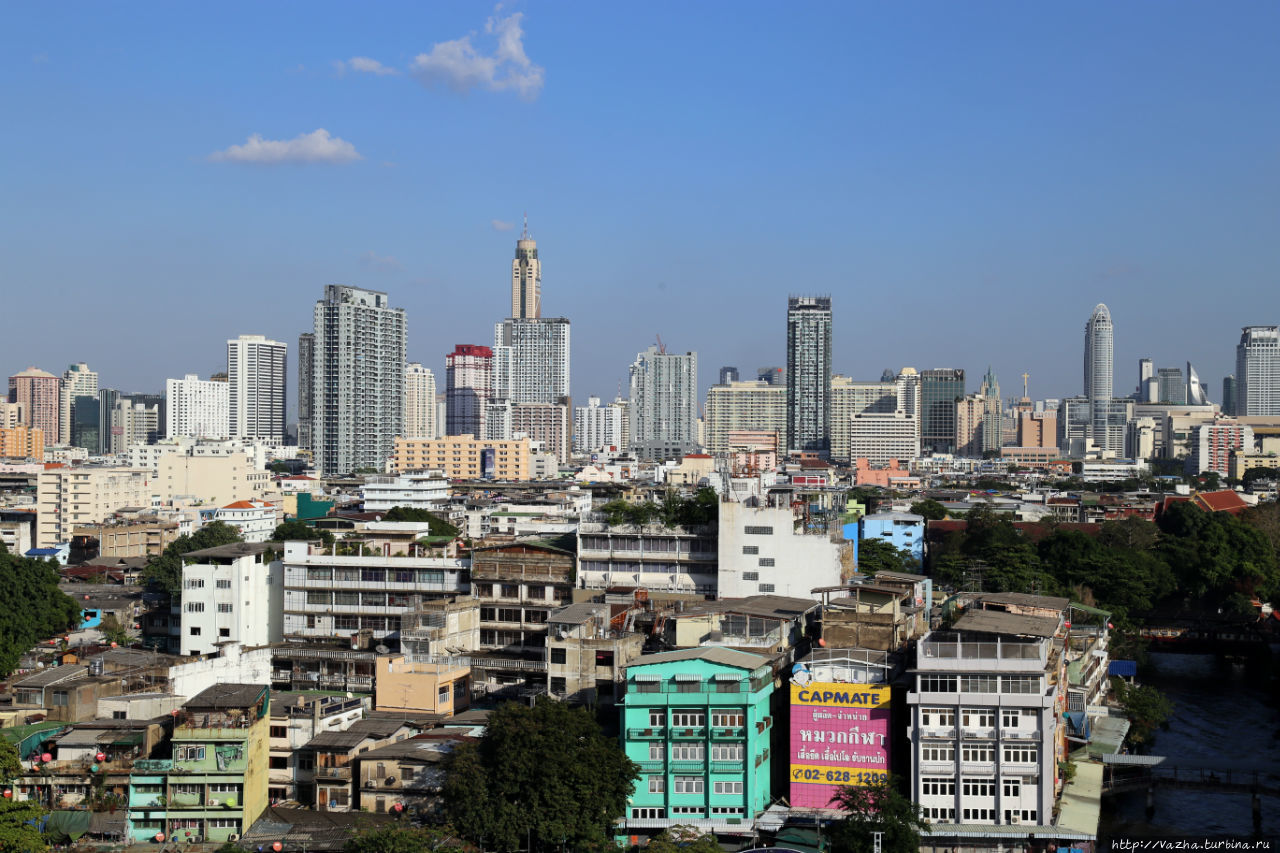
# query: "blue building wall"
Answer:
x=903 y=530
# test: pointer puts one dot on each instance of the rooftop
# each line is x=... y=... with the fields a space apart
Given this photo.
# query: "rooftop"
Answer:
x=228 y=695
x=713 y=654
x=1022 y=599
x=996 y=622
x=235 y=549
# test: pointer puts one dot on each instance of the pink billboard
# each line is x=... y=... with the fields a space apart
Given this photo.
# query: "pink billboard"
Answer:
x=839 y=737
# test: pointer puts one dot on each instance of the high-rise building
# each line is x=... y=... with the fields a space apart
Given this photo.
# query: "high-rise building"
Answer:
x=850 y=398
x=468 y=384
x=745 y=406
x=1099 y=344
x=135 y=419
x=86 y=423
x=39 y=392
x=531 y=360
x=596 y=427
x=419 y=401
x=664 y=404
x=196 y=408
x=809 y=373
x=1258 y=371
x=1171 y=387
x=727 y=375
x=526 y=278
x=1146 y=372
x=77 y=381
x=1196 y=394
x=1229 y=394
x=940 y=388
x=772 y=375
x=547 y=423
x=257 y=388
x=993 y=416
x=306 y=386
x=1214 y=444
x=357 y=406
x=971 y=413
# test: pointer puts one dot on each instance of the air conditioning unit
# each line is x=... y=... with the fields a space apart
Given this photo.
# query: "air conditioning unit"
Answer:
x=1015 y=818
x=391 y=780
x=235 y=836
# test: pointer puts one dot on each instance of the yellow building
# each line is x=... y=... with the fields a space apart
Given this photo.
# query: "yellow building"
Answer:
x=442 y=686
x=21 y=442
x=67 y=498
x=460 y=457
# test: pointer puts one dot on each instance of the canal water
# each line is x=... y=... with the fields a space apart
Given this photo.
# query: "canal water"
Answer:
x=1226 y=717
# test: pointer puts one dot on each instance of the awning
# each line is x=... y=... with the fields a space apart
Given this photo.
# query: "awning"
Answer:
x=687 y=676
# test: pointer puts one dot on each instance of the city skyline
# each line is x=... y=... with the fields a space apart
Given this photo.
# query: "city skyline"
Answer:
x=945 y=200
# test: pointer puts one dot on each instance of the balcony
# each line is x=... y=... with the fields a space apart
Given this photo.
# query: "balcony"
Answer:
x=333 y=773
x=986 y=732
x=688 y=766
x=728 y=733
x=946 y=768
x=651 y=733
x=727 y=767
x=938 y=731
x=688 y=732
x=651 y=766
x=984 y=768
x=1019 y=734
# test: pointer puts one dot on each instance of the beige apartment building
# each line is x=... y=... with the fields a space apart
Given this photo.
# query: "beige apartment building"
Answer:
x=220 y=480
x=67 y=498
x=459 y=457
x=21 y=443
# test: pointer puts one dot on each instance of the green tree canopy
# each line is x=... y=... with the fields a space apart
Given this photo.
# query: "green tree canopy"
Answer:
x=930 y=509
x=398 y=838
x=702 y=508
x=683 y=839
x=437 y=526
x=877 y=555
x=1256 y=473
x=165 y=570
x=545 y=773
x=300 y=531
x=1146 y=707
x=32 y=607
x=877 y=808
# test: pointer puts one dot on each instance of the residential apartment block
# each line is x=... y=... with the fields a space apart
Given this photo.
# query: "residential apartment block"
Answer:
x=463 y=457
x=69 y=497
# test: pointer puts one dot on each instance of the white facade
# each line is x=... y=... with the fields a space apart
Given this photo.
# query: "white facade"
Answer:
x=664 y=404
x=761 y=552
x=881 y=437
x=596 y=427
x=196 y=407
x=531 y=360
x=1258 y=371
x=1099 y=344
x=419 y=402
x=357 y=380
x=417 y=491
x=256 y=376
x=256 y=520
x=231 y=593
x=77 y=381
x=737 y=406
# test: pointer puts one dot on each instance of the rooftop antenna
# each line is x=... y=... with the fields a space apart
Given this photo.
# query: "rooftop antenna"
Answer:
x=1025 y=377
x=524 y=235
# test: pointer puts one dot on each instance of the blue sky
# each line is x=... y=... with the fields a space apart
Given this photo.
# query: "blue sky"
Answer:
x=965 y=179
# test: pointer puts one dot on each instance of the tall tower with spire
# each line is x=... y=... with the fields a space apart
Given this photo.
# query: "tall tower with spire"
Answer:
x=1098 y=375
x=526 y=278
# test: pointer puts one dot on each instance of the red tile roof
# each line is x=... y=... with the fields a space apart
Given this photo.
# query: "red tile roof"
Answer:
x=1221 y=501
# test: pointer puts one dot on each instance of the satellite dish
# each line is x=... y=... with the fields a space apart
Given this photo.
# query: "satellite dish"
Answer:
x=382 y=650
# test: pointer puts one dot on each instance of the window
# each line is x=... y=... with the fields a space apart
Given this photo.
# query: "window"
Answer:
x=193 y=583
x=657 y=784
x=1020 y=755
x=1012 y=787
x=224 y=608
x=688 y=686
x=510 y=590
x=937 y=717
x=657 y=752
x=938 y=786
x=726 y=810
x=728 y=686
x=767 y=587
x=943 y=815
x=751 y=576
x=278 y=731
x=195 y=606
x=727 y=788
x=688 y=719
x=979 y=788
x=725 y=719
x=223 y=583
x=688 y=752
x=648 y=814
x=937 y=684
x=751 y=549
x=319 y=598
x=195 y=630
x=979 y=814
x=60 y=698
x=189 y=753
x=443 y=695
x=691 y=811
x=980 y=754
x=757 y=531
x=937 y=752
x=657 y=717
x=1020 y=684
x=557 y=655
x=978 y=683
x=373 y=575
x=982 y=718
x=767 y=561
x=347 y=599
x=727 y=752
x=689 y=785
x=278 y=762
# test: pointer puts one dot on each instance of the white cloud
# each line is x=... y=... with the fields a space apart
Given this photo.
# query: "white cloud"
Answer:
x=386 y=263
x=365 y=65
x=460 y=66
x=314 y=147
x=499 y=225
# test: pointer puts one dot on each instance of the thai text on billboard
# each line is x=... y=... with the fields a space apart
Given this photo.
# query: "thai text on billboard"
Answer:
x=839 y=737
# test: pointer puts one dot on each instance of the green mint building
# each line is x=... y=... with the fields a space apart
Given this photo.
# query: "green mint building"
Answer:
x=697 y=722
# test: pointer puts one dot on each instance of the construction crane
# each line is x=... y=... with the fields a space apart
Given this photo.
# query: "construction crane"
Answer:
x=662 y=348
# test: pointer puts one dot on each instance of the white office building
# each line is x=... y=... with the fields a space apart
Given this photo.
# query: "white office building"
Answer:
x=196 y=408
x=1258 y=371
x=256 y=374
x=415 y=491
x=664 y=404
x=882 y=437
x=231 y=594
x=419 y=401
x=531 y=360
x=596 y=427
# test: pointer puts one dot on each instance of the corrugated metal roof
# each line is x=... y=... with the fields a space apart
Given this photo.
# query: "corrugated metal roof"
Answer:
x=714 y=654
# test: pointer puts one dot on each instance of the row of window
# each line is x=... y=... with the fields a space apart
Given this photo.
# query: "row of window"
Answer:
x=695 y=719
x=944 y=786
x=368 y=575
x=198 y=583
x=697 y=752
x=979 y=684
x=1010 y=718
x=978 y=753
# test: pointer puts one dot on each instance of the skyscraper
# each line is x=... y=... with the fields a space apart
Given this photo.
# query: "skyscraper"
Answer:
x=256 y=380
x=39 y=392
x=526 y=278
x=419 y=402
x=993 y=414
x=664 y=404
x=534 y=356
x=1196 y=395
x=196 y=408
x=357 y=396
x=1258 y=371
x=1172 y=389
x=468 y=374
x=809 y=373
x=77 y=381
x=940 y=388
x=1229 y=394
x=1146 y=372
x=306 y=386
x=1098 y=374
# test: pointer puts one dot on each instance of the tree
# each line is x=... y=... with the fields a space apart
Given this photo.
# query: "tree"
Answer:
x=930 y=509
x=300 y=531
x=1256 y=473
x=113 y=631
x=397 y=838
x=877 y=555
x=165 y=571
x=32 y=607
x=436 y=526
x=869 y=498
x=683 y=839
x=16 y=834
x=878 y=808
x=1146 y=708
x=547 y=774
